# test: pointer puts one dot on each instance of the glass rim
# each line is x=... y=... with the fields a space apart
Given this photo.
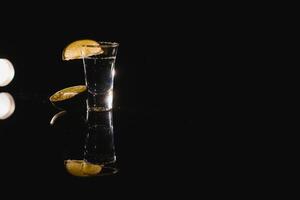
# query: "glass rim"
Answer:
x=108 y=44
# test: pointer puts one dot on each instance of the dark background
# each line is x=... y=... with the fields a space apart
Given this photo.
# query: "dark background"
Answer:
x=157 y=85
x=185 y=92
x=179 y=104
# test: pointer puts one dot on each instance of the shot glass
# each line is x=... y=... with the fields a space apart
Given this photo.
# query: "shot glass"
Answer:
x=99 y=77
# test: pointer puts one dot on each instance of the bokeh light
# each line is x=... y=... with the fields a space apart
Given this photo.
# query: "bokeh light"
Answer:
x=7 y=72
x=7 y=105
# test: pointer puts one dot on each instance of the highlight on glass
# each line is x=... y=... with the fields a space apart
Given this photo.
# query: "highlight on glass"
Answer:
x=7 y=72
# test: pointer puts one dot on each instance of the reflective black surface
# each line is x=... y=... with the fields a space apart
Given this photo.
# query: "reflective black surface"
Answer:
x=154 y=106
x=183 y=99
x=36 y=142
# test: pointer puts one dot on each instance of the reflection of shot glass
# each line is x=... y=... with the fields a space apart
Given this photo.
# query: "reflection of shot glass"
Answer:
x=89 y=148
x=99 y=144
x=99 y=77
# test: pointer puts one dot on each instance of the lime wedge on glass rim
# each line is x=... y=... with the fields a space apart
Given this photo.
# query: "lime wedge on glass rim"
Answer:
x=80 y=49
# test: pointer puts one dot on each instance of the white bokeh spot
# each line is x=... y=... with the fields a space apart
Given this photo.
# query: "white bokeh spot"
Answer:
x=7 y=105
x=7 y=72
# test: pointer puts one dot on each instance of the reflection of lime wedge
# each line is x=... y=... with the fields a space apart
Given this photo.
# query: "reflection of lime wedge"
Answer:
x=91 y=169
x=69 y=96
x=57 y=116
x=74 y=167
x=80 y=49
x=82 y=168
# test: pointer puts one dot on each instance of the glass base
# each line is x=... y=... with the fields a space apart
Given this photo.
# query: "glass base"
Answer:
x=100 y=102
